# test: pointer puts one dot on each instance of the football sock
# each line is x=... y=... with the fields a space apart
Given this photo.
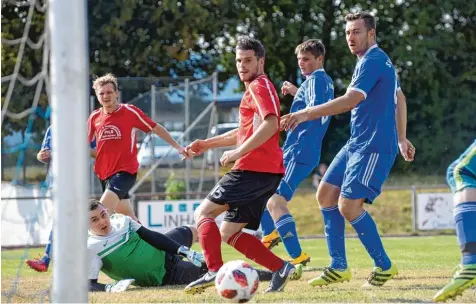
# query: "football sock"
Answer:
x=254 y=250
x=267 y=223
x=287 y=231
x=367 y=231
x=465 y=220
x=334 y=229
x=210 y=241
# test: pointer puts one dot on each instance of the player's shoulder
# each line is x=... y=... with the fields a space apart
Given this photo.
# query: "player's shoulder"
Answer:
x=95 y=113
x=118 y=220
x=261 y=82
x=376 y=56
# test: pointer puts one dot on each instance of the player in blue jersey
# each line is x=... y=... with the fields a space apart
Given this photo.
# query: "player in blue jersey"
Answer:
x=302 y=149
x=461 y=177
x=358 y=171
x=44 y=156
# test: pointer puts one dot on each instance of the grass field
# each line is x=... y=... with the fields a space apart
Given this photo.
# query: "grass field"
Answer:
x=425 y=263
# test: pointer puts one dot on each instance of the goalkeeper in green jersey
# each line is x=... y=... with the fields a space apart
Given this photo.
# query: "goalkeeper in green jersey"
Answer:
x=131 y=254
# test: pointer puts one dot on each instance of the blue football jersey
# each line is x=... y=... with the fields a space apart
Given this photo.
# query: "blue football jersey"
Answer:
x=372 y=126
x=304 y=142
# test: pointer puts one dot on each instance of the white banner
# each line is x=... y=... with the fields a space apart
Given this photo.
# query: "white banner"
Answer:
x=25 y=221
x=435 y=211
x=161 y=216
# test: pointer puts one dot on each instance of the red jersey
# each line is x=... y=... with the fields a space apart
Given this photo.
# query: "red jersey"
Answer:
x=115 y=135
x=259 y=101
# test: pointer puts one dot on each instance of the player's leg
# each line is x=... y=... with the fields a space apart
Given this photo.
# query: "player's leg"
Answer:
x=208 y=232
x=363 y=182
x=116 y=193
x=42 y=264
x=461 y=177
x=295 y=173
x=327 y=196
x=270 y=234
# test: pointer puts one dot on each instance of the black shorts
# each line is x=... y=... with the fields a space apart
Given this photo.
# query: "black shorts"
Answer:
x=177 y=270
x=246 y=193
x=119 y=183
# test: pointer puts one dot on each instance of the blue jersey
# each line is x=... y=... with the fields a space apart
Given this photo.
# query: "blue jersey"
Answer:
x=47 y=141
x=304 y=142
x=372 y=126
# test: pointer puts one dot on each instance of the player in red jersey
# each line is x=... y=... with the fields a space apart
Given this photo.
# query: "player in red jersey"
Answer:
x=243 y=192
x=114 y=127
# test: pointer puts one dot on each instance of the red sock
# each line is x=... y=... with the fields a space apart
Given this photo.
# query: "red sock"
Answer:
x=210 y=241
x=254 y=250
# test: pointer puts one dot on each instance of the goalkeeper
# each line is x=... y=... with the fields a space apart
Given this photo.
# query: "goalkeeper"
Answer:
x=125 y=251
x=132 y=254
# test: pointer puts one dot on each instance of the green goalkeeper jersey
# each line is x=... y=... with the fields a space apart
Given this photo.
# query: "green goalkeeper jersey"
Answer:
x=124 y=255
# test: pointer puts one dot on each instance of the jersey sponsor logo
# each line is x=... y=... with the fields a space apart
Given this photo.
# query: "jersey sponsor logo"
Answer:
x=108 y=132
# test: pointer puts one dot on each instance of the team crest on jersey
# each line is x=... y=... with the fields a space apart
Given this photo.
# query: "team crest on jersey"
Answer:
x=109 y=132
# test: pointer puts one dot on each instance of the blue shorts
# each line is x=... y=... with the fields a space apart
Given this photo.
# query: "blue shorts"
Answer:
x=359 y=175
x=295 y=173
x=462 y=172
x=120 y=183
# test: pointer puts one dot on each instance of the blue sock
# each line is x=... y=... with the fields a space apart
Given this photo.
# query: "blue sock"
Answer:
x=335 y=229
x=465 y=220
x=287 y=231
x=267 y=223
x=366 y=229
x=47 y=256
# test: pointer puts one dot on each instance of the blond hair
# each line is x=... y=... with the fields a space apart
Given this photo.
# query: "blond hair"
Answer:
x=103 y=80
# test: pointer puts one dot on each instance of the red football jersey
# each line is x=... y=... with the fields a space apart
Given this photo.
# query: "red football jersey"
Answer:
x=259 y=101
x=115 y=135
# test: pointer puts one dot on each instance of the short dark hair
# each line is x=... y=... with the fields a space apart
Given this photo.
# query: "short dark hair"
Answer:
x=313 y=46
x=246 y=43
x=369 y=20
x=94 y=204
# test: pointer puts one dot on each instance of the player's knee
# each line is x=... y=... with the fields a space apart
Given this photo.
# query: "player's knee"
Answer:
x=226 y=235
x=327 y=196
x=350 y=209
x=276 y=202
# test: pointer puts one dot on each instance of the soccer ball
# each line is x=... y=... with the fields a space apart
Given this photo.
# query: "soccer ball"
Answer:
x=237 y=281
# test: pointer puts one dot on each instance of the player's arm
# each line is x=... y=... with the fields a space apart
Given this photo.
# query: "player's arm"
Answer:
x=95 y=265
x=223 y=140
x=44 y=155
x=366 y=78
x=406 y=147
x=401 y=115
x=165 y=135
x=144 y=123
x=267 y=128
x=163 y=242
x=337 y=106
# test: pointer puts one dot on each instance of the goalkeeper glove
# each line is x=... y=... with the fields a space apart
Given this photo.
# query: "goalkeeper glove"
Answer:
x=194 y=257
x=119 y=286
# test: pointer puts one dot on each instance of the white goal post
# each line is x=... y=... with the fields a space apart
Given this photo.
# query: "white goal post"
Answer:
x=69 y=102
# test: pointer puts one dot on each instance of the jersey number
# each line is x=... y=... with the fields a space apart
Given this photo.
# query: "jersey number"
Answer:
x=217 y=192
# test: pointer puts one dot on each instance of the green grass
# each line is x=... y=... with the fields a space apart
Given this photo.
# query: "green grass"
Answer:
x=425 y=264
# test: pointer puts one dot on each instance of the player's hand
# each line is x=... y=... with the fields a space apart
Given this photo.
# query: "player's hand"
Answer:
x=119 y=286
x=184 y=152
x=196 y=148
x=407 y=150
x=44 y=156
x=288 y=88
x=194 y=257
x=229 y=156
x=292 y=120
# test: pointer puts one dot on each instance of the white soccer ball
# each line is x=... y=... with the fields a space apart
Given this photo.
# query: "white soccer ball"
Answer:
x=237 y=281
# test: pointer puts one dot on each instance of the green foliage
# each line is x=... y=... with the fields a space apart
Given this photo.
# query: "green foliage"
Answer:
x=174 y=188
x=432 y=44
